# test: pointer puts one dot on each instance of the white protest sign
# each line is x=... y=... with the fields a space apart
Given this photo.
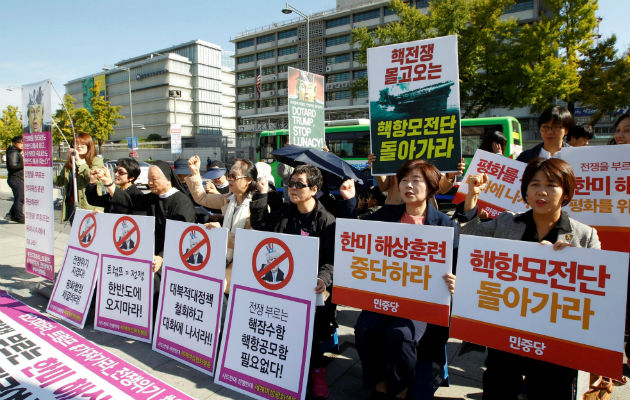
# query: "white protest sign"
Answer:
x=125 y=292
x=397 y=271
x=72 y=293
x=525 y=298
x=503 y=191
x=189 y=313
x=266 y=344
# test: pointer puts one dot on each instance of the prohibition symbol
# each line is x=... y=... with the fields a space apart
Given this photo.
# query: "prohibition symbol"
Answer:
x=87 y=230
x=194 y=248
x=126 y=235
x=268 y=264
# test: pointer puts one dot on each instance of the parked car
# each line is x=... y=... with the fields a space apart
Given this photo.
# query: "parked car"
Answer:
x=141 y=181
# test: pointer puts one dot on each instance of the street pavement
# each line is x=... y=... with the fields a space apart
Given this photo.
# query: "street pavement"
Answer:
x=343 y=370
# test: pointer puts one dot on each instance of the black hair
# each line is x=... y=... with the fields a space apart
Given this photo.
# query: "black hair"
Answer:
x=554 y=169
x=16 y=139
x=579 y=131
x=621 y=118
x=248 y=169
x=492 y=137
x=313 y=175
x=132 y=167
x=556 y=114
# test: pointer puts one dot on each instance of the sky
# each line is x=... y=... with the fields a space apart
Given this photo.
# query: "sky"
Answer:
x=63 y=40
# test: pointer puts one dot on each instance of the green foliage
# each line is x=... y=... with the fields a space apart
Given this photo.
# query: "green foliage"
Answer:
x=105 y=116
x=154 y=137
x=10 y=125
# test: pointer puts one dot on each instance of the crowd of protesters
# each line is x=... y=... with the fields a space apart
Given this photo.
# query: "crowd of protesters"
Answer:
x=398 y=355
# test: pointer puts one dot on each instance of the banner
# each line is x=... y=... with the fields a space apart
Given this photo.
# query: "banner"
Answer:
x=124 y=303
x=306 y=109
x=189 y=313
x=42 y=359
x=72 y=293
x=176 y=138
x=266 y=345
x=565 y=307
x=503 y=191
x=38 y=176
x=414 y=104
x=397 y=271
x=602 y=192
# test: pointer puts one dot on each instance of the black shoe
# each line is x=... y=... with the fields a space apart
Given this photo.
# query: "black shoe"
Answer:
x=10 y=219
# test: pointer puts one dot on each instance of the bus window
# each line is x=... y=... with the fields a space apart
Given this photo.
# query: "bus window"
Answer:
x=349 y=144
x=267 y=145
x=471 y=137
x=516 y=128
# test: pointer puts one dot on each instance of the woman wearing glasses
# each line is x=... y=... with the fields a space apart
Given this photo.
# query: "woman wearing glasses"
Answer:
x=554 y=123
x=234 y=206
x=126 y=172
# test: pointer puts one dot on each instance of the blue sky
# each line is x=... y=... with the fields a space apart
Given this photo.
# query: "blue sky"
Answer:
x=63 y=40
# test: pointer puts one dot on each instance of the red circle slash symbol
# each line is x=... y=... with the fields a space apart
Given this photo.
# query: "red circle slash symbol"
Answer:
x=192 y=255
x=270 y=254
x=124 y=230
x=87 y=230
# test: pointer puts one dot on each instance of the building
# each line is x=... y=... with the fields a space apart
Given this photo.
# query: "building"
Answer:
x=187 y=84
x=270 y=50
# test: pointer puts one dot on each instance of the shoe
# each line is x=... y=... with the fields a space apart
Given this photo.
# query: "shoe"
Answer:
x=320 y=385
x=10 y=219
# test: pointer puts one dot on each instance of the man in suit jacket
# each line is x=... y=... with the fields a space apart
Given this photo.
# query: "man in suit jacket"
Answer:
x=554 y=123
x=274 y=276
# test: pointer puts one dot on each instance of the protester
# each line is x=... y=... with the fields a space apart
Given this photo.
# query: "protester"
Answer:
x=126 y=172
x=15 y=180
x=554 y=123
x=86 y=161
x=235 y=206
x=216 y=173
x=166 y=201
x=264 y=172
x=579 y=136
x=547 y=186
x=493 y=142
x=306 y=216
x=622 y=129
x=391 y=349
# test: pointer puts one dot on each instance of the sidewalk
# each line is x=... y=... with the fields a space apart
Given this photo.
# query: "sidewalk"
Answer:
x=344 y=370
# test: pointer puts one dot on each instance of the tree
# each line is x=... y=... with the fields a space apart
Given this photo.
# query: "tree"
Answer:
x=10 y=125
x=489 y=74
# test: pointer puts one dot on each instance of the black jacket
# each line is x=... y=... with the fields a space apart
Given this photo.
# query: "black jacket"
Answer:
x=283 y=218
x=15 y=163
x=104 y=200
x=532 y=153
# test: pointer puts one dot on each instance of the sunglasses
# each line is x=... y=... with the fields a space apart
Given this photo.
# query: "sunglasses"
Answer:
x=121 y=172
x=297 y=185
x=233 y=177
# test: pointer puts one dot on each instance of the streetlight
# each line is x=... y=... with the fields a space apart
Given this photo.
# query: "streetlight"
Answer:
x=129 y=85
x=288 y=9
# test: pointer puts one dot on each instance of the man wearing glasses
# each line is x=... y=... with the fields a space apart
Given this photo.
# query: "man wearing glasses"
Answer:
x=554 y=124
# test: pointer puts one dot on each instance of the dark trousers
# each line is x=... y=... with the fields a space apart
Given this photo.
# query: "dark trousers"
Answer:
x=17 y=210
x=387 y=349
x=503 y=378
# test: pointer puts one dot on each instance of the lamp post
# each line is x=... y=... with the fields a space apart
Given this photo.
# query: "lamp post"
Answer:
x=288 y=9
x=129 y=86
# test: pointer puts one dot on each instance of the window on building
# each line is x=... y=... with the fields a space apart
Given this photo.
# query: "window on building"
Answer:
x=245 y=90
x=389 y=11
x=364 y=16
x=339 y=58
x=284 y=67
x=245 y=59
x=245 y=43
x=266 y=54
x=283 y=101
x=284 y=51
x=360 y=74
x=246 y=105
x=267 y=86
x=268 y=103
x=340 y=77
x=340 y=95
x=338 y=22
x=246 y=74
x=337 y=40
x=361 y=93
x=422 y=3
x=520 y=5
x=282 y=84
x=269 y=70
x=287 y=34
x=266 y=39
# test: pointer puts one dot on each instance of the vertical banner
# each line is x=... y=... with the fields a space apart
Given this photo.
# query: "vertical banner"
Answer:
x=414 y=104
x=565 y=307
x=74 y=286
x=266 y=344
x=124 y=303
x=38 y=177
x=176 y=138
x=306 y=109
x=397 y=271
x=101 y=82
x=189 y=311
x=87 y=86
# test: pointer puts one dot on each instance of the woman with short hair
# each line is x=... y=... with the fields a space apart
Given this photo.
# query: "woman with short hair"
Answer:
x=126 y=172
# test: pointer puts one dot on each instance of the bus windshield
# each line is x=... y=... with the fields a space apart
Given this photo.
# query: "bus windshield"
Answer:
x=268 y=144
x=349 y=144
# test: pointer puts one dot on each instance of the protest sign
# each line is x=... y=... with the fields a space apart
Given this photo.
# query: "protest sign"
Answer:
x=125 y=291
x=306 y=108
x=503 y=191
x=525 y=298
x=72 y=293
x=602 y=192
x=414 y=104
x=397 y=271
x=42 y=359
x=38 y=177
x=267 y=335
x=189 y=313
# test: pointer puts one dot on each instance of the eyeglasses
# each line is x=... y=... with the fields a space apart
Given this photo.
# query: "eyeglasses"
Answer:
x=232 y=177
x=554 y=128
x=121 y=172
x=297 y=185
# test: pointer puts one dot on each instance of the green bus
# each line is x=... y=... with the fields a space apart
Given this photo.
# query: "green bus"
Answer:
x=350 y=139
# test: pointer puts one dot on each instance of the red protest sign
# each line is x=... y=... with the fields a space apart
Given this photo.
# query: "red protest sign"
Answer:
x=197 y=248
x=87 y=230
x=267 y=260
x=124 y=232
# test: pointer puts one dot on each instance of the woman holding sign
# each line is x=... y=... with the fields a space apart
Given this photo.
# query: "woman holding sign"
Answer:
x=392 y=348
x=547 y=186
